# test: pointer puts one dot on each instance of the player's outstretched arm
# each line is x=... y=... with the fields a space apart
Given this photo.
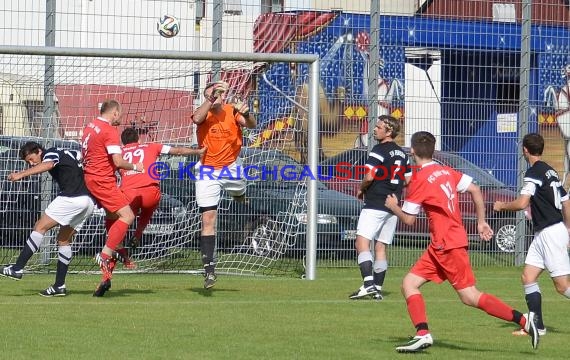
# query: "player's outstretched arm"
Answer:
x=199 y=116
x=186 y=151
x=121 y=163
x=212 y=94
x=37 y=169
x=392 y=203
x=519 y=203
x=247 y=119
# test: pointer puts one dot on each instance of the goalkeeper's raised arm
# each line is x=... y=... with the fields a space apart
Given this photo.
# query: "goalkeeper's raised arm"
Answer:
x=219 y=130
x=215 y=96
x=246 y=119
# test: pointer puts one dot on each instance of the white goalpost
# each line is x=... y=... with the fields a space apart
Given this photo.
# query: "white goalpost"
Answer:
x=54 y=92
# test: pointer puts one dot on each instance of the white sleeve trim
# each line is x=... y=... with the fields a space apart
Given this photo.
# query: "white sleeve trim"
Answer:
x=165 y=149
x=377 y=156
x=529 y=187
x=533 y=180
x=464 y=183
x=114 y=149
x=51 y=157
x=411 y=208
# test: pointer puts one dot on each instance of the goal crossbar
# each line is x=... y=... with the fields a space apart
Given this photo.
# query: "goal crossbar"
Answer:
x=157 y=54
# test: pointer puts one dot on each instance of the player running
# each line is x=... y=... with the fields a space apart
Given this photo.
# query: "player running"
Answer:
x=434 y=188
x=550 y=211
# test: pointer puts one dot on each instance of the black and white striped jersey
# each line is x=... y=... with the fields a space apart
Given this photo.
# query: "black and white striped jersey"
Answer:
x=543 y=185
x=390 y=165
x=67 y=171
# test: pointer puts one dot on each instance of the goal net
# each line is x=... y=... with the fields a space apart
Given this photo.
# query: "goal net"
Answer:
x=264 y=235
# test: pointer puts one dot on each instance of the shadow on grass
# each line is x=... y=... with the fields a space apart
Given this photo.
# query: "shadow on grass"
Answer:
x=549 y=329
x=209 y=292
x=397 y=341
x=385 y=294
x=114 y=292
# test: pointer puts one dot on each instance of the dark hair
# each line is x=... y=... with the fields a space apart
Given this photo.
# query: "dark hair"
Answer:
x=423 y=143
x=31 y=147
x=129 y=136
x=534 y=143
x=391 y=123
x=109 y=105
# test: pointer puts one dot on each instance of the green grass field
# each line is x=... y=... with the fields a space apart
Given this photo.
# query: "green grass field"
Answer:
x=172 y=317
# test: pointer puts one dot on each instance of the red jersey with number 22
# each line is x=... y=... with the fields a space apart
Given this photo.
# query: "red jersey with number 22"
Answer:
x=434 y=187
x=147 y=154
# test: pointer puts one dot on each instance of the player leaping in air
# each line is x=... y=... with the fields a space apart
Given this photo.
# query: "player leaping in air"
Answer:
x=141 y=189
x=102 y=156
x=69 y=209
x=219 y=129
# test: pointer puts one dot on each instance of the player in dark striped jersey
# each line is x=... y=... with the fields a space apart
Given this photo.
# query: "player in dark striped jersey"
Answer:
x=388 y=170
x=72 y=206
x=550 y=211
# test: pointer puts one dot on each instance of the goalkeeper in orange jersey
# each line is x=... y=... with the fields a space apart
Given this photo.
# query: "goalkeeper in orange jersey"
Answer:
x=142 y=189
x=219 y=130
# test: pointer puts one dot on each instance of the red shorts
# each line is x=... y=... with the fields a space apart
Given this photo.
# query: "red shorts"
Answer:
x=452 y=265
x=143 y=198
x=107 y=193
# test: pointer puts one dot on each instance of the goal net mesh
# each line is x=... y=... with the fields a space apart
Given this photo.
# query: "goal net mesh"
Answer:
x=264 y=235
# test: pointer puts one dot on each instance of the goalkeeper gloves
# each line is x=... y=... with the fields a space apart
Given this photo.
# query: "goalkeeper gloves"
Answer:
x=214 y=90
x=241 y=107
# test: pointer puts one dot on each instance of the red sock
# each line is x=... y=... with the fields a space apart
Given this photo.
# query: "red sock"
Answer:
x=495 y=307
x=123 y=252
x=417 y=310
x=109 y=223
x=143 y=221
x=117 y=233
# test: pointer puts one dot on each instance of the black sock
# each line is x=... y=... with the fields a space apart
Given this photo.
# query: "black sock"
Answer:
x=366 y=272
x=517 y=316
x=207 y=245
x=534 y=303
x=63 y=259
x=379 y=277
x=60 y=274
x=31 y=246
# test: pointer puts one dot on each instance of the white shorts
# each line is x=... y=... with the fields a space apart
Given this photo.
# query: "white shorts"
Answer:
x=72 y=211
x=208 y=190
x=549 y=251
x=377 y=225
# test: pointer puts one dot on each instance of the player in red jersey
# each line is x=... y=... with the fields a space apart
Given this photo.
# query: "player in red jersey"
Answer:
x=102 y=156
x=434 y=188
x=142 y=189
